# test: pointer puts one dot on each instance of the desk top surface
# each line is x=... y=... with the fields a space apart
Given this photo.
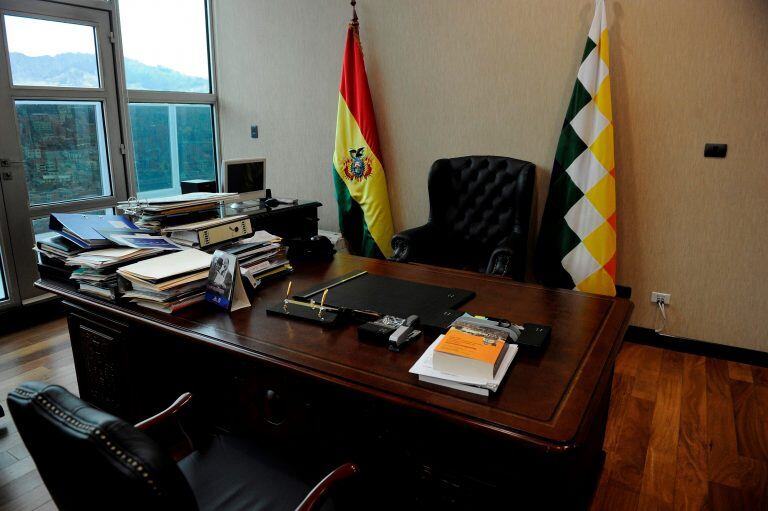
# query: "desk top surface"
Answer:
x=544 y=399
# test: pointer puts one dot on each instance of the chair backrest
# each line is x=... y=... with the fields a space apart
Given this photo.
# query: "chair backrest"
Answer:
x=482 y=200
x=89 y=459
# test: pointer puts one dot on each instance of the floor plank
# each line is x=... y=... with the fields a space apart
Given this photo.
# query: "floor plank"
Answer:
x=647 y=379
x=684 y=431
x=691 y=480
x=661 y=459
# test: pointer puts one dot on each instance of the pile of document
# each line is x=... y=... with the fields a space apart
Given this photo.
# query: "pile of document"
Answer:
x=52 y=253
x=472 y=357
x=96 y=271
x=261 y=257
x=167 y=283
x=155 y=214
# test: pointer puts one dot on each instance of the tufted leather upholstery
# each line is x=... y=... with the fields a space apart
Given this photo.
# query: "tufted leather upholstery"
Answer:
x=89 y=459
x=479 y=216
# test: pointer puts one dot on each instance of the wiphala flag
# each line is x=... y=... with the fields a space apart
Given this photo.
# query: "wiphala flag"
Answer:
x=577 y=240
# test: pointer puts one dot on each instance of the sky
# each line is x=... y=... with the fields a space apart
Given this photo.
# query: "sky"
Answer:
x=168 y=33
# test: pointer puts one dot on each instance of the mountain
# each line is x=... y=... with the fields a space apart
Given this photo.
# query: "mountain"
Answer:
x=79 y=70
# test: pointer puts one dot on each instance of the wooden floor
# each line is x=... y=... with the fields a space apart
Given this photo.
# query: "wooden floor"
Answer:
x=684 y=431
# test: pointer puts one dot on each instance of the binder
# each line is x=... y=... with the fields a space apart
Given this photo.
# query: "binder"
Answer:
x=210 y=232
x=82 y=230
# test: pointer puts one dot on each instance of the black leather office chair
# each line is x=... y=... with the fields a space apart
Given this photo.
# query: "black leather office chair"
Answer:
x=479 y=215
x=91 y=460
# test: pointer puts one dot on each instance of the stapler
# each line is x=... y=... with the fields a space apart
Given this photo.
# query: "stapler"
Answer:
x=404 y=333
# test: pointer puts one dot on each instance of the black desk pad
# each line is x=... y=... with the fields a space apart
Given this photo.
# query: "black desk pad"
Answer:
x=434 y=305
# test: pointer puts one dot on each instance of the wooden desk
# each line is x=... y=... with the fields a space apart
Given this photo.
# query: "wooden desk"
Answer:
x=543 y=429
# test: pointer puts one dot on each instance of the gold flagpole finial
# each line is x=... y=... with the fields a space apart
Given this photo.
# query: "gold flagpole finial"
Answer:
x=354 y=13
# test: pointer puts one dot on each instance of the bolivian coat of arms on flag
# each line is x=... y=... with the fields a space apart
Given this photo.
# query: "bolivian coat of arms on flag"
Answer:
x=365 y=219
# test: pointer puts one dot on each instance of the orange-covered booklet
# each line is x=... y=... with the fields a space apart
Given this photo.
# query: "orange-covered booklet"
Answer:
x=465 y=354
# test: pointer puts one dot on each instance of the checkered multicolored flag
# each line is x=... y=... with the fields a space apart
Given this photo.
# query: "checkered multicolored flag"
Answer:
x=577 y=241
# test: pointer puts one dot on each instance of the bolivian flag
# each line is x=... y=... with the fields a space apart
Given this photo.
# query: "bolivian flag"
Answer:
x=577 y=239
x=361 y=187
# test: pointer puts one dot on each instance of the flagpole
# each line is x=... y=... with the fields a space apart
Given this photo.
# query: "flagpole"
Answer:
x=354 y=21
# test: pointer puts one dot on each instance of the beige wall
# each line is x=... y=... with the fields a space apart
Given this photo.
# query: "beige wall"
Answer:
x=454 y=77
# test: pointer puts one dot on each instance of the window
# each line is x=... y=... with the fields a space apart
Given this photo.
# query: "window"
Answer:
x=170 y=93
x=64 y=57
x=172 y=143
x=65 y=155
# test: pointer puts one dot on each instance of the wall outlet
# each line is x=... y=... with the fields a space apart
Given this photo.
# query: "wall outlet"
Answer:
x=664 y=297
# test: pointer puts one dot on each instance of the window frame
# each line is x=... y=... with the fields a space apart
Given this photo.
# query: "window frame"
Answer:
x=128 y=96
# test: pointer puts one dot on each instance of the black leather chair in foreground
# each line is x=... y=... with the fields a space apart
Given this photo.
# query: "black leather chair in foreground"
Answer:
x=90 y=460
x=479 y=215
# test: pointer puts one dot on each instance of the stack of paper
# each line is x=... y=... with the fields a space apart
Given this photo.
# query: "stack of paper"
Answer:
x=108 y=257
x=482 y=386
x=261 y=257
x=97 y=272
x=52 y=253
x=169 y=282
x=176 y=204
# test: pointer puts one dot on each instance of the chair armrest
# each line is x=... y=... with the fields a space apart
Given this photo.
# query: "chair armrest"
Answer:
x=166 y=428
x=410 y=243
x=315 y=498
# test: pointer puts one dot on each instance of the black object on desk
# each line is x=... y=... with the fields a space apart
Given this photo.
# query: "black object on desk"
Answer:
x=289 y=221
x=435 y=305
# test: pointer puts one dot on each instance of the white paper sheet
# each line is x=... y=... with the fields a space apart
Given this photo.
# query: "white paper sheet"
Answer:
x=423 y=366
x=165 y=266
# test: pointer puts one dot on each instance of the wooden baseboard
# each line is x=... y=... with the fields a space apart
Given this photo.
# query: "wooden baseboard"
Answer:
x=649 y=337
x=25 y=316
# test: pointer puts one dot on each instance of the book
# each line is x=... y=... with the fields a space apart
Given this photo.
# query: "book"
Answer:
x=139 y=240
x=426 y=372
x=465 y=354
x=256 y=281
x=225 y=285
x=82 y=230
x=109 y=293
x=170 y=307
x=209 y=232
x=247 y=250
x=56 y=244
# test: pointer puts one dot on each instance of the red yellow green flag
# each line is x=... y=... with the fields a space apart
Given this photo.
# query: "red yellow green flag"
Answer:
x=361 y=186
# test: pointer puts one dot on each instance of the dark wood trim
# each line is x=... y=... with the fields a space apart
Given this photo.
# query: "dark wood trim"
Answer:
x=167 y=414
x=649 y=337
x=26 y=316
x=317 y=496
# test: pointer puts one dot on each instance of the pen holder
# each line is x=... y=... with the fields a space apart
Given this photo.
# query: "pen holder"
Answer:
x=306 y=312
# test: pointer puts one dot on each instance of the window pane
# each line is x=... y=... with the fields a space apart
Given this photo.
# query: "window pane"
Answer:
x=3 y=293
x=51 y=53
x=165 y=45
x=151 y=146
x=171 y=143
x=194 y=126
x=64 y=150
